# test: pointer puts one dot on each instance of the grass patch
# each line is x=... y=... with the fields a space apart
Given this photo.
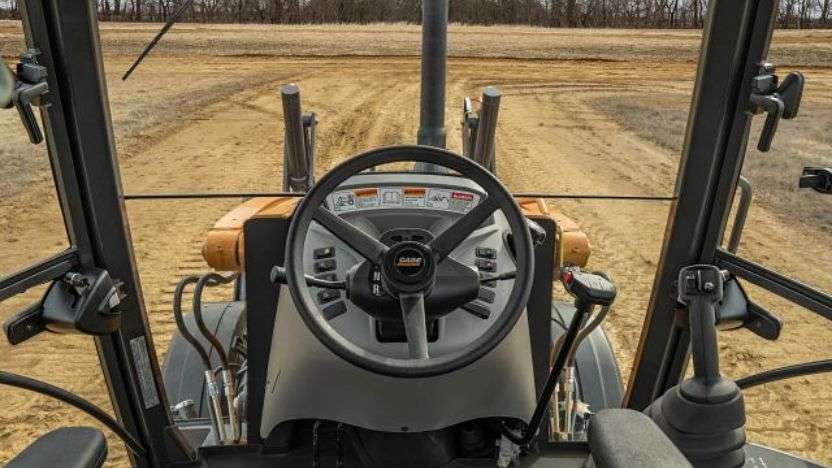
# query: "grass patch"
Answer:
x=661 y=118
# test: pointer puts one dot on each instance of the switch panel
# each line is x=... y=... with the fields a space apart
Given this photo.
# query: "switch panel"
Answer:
x=323 y=252
x=328 y=264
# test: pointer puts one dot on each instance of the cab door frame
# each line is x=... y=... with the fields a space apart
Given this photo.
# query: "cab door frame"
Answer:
x=735 y=44
x=63 y=35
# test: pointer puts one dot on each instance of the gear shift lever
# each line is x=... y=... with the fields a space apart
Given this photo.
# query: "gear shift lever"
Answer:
x=589 y=290
x=705 y=414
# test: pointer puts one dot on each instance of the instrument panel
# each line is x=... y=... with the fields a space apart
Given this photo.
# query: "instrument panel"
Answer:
x=395 y=196
x=394 y=207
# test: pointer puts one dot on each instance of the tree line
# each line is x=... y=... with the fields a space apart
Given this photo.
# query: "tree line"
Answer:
x=547 y=13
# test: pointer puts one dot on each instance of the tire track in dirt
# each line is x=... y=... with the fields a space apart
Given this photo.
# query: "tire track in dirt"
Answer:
x=256 y=113
x=549 y=139
x=569 y=147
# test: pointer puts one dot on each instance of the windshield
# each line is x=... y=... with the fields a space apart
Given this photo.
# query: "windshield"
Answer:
x=583 y=112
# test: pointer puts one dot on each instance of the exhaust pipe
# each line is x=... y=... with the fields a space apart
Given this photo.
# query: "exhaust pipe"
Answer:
x=434 y=69
x=484 y=148
x=296 y=167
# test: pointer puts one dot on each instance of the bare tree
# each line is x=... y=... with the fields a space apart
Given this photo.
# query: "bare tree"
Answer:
x=549 y=13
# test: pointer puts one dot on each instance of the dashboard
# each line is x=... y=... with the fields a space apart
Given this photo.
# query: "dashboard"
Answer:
x=454 y=200
x=396 y=207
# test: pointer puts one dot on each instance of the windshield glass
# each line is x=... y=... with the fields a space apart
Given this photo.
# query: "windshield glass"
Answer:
x=598 y=112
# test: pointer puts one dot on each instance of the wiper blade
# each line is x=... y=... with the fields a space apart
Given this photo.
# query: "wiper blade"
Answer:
x=171 y=20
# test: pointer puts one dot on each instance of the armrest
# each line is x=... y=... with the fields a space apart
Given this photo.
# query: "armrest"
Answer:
x=68 y=447
x=622 y=438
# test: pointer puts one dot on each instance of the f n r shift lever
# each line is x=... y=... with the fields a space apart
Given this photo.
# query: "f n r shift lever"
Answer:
x=589 y=290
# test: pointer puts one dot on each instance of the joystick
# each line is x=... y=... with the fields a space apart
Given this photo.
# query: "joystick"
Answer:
x=705 y=414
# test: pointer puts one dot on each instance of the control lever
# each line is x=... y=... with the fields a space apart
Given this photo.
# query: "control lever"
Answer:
x=817 y=178
x=702 y=288
x=278 y=276
x=705 y=414
x=775 y=98
x=589 y=290
x=30 y=89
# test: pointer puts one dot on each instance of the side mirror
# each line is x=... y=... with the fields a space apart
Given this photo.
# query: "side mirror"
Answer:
x=7 y=83
x=80 y=302
x=738 y=311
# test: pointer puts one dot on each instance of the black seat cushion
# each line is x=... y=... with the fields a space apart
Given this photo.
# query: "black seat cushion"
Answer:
x=622 y=438
x=67 y=447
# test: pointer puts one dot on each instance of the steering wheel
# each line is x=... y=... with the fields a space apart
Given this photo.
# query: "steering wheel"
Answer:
x=412 y=273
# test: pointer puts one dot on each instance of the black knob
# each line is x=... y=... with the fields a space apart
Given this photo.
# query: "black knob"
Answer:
x=588 y=288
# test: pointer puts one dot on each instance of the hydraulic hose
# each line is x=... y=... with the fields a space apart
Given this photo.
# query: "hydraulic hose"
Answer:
x=210 y=381
x=214 y=279
x=788 y=372
x=43 y=388
x=589 y=328
x=582 y=311
x=568 y=375
x=180 y=322
x=211 y=279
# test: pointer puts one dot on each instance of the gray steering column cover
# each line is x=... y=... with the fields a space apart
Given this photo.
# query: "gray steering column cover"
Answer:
x=307 y=381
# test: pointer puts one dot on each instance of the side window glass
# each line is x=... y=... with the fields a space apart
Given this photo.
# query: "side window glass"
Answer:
x=32 y=229
x=787 y=228
x=31 y=221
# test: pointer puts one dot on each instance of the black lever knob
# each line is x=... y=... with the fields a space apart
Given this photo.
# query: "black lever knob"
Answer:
x=588 y=288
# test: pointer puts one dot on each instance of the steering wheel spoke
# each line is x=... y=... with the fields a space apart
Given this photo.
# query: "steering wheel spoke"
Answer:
x=415 y=326
x=366 y=245
x=450 y=239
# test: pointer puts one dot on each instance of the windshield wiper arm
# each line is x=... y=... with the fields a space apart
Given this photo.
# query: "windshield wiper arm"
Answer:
x=171 y=20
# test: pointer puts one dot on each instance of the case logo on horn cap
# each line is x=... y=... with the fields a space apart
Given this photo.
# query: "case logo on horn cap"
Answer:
x=410 y=262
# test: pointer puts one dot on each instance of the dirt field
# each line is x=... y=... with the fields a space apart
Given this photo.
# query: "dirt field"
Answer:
x=576 y=118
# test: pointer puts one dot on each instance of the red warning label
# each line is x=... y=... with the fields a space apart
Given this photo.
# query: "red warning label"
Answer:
x=462 y=196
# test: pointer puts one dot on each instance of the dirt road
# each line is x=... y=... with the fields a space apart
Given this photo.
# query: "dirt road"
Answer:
x=224 y=133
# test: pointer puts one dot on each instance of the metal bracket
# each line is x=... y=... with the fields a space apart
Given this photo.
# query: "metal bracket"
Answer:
x=746 y=195
x=30 y=90
x=736 y=310
x=817 y=178
x=775 y=98
x=83 y=301
x=299 y=142
x=470 y=123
